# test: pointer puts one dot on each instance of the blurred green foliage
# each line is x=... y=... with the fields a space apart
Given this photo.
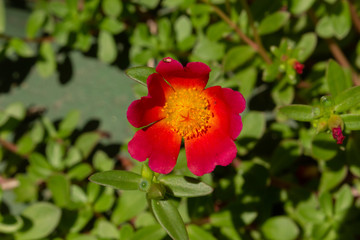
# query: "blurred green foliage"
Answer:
x=290 y=179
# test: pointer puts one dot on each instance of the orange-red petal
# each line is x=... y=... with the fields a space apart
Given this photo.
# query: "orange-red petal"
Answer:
x=147 y=110
x=158 y=143
x=194 y=75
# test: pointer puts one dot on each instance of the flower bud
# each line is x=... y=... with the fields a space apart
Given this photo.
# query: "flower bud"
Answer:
x=336 y=124
x=156 y=191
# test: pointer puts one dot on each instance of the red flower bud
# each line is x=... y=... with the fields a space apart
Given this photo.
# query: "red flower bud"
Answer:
x=298 y=67
x=337 y=135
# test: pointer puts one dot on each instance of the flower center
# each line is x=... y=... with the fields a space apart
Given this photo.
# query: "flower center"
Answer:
x=188 y=113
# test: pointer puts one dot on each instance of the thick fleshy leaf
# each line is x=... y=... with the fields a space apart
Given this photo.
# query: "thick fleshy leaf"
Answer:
x=107 y=49
x=326 y=204
x=10 y=224
x=336 y=79
x=46 y=64
x=117 y=179
x=237 y=56
x=347 y=99
x=300 y=6
x=181 y=186
x=69 y=123
x=306 y=45
x=112 y=8
x=59 y=187
x=340 y=18
x=140 y=74
x=351 y=121
x=273 y=22
x=324 y=147
x=44 y=218
x=324 y=27
x=36 y=20
x=169 y=218
x=298 y=112
x=280 y=228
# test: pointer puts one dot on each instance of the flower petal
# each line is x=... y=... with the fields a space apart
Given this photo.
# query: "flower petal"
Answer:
x=226 y=104
x=158 y=143
x=194 y=75
x=235 y=100
x=147 y=110
x=205 y=152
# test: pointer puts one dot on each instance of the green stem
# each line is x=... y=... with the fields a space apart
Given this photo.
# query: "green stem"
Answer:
x=238 y=31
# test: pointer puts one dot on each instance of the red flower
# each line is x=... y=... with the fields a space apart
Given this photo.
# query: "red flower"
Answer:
x=178 y=107
x=298 y=67
x=337 y=135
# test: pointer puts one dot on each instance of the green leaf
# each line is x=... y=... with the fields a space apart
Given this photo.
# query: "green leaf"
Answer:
x=324 y=147
x=80 y=172
x=2 y=17
x=106 y=200
x=198 y=233
x=140 y=74
x=280 y=228
x=326 y=204
x=182 y=27
x=72 y=5
x=102 y=162
x=306 y=45
x=332 y=178
x=273 y=22
x=154 y=232
x=86 y=142
x=27 y=190
x=73 y=157
x=344 y=200
x=35 y=22
x=37 y=132
x=54 y=154
x=304 y=113
x=335 y=78
x=129 y=205
x=181 y=186
x=284 y=156
x=300 y=6
x=84 y=215
x=68 y=124
x=112 y=8
x=112 y=25
x=209 y=50
x=324 y=27
x=43 y=218
x=340 y=17
x=347 y=99
x=25 y=144
x=283 y=93
x=46 y=64
x=118 y=179
x=351 y=121
x=169 y=218
x=237 y=56
x=21 y=47
x=126 y=231
x=10 y=224
x=105 y=229
x=107 y=50
x=49 y=126
x=59 y=187
x=39 y=164
x=16 y=110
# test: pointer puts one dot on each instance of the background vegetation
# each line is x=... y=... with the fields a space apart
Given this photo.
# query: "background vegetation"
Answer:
x=63 y=100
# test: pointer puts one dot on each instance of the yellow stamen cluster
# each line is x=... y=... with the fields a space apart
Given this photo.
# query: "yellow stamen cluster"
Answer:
x=188 y=113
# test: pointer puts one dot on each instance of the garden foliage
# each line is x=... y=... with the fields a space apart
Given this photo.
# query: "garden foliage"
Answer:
x=297 y=170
